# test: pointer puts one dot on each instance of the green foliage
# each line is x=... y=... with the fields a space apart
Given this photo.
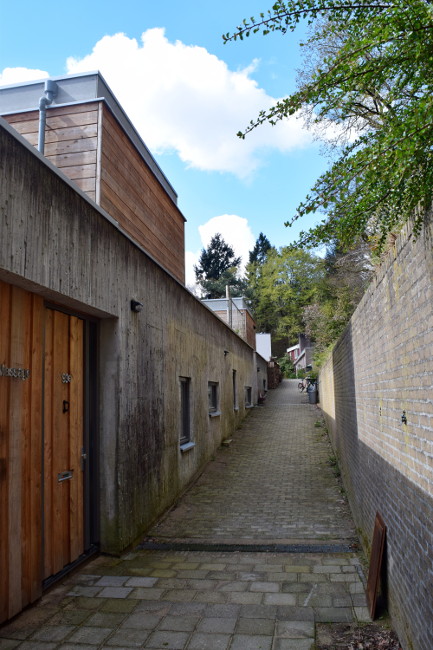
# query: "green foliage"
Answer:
x=217 y=268
x=260 y=251
x=286 y=282
x=375 y=84
x=347 y=274
x=286 y=367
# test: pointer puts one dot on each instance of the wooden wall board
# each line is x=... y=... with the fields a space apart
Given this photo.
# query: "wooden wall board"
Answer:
x=71 y=140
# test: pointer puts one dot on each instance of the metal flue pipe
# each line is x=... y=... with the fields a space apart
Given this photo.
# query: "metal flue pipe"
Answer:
x=50 y=91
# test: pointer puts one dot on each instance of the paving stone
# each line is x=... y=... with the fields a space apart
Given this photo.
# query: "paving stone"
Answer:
x=52 y=633
x=244 y=641
x=294 y=644
x=141 y=582
x=295 y=629
x=179 y=623
x=279 y=599
x=128 y=638
x=142 y=621
x=105 y=619
x=245 y=598
x=37 y=645
x=265 y=587
x=91 y=635
x=145 y=593
x=111 y=581
x=333 y=614
x=115 y=592
x=222 y=611
x=253 y=626
x=201 y=641
x=8 y=644
x=118 y=605
x=172 y=640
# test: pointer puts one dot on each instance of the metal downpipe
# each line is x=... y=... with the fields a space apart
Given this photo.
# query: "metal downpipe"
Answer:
x=50 y=91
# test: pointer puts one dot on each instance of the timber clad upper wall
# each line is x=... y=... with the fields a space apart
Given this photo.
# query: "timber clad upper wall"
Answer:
x=134 y=197
x=106 y=165
x=71 y=140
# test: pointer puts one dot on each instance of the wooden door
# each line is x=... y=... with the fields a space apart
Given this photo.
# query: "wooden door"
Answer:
x=63 y=441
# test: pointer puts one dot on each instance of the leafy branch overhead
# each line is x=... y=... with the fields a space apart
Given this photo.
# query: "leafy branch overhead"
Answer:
x=372 y=80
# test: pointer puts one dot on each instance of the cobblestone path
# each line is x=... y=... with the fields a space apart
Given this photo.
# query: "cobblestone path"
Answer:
x=273 y=484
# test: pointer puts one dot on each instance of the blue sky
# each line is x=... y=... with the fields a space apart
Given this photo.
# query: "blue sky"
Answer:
x=187 y=94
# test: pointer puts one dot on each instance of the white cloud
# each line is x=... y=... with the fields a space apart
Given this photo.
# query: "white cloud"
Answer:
x=182 y=98
x=11 y=76
x=234 y=230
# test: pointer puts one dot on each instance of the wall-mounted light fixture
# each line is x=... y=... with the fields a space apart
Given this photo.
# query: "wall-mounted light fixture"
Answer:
x=136 y=306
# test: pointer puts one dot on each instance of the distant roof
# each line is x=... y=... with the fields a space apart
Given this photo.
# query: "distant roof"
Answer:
x=79 y=89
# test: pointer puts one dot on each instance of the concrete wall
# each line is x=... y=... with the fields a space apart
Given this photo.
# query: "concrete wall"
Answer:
x=381 y=367
x=58 y=244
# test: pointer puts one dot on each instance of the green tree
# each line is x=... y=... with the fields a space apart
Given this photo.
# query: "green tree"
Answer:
x=372 y=78
x=260 y=251
x=217 y=268
x=288 y=281
x=347 y=274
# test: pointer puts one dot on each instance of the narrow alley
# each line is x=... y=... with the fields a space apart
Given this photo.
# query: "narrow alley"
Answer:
x=259 y=549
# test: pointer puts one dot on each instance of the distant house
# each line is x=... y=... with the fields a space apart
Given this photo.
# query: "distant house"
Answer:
x=301 y=354
x=236 y=313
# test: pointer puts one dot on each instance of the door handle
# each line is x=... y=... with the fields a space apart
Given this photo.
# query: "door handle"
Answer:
x=65 y=476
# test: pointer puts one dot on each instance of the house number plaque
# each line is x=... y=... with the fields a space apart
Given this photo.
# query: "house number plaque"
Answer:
x=16 y=373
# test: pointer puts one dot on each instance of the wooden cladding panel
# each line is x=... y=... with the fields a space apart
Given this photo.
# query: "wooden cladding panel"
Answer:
x=134 y=197
x=20 y=450
x=71 y=140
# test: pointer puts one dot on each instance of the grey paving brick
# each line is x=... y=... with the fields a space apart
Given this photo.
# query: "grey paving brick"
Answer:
x=295 y=629
x=129 y=638
x=90 y=635
x=115 y=592
x=253 y=626
x=172 y=640
x=201 y=641
x=244 y=641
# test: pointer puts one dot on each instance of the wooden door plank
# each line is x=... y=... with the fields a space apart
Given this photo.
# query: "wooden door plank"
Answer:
x=36 y=369
x=15 y=453
x=5 y=301
x=48 y=443
x=76 y=437
x=60 y=530
x=23 y=361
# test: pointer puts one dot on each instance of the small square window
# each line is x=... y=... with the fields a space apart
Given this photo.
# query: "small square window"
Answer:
x=212 y=392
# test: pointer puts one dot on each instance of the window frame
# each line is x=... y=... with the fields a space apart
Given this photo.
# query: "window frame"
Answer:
x=248 y=396
x=185 y=433
x=213 y=398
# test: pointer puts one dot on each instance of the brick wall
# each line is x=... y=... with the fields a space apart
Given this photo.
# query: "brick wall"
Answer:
x=381 y=367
